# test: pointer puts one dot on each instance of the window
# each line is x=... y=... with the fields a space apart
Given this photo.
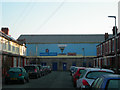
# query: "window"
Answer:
x=109 y=46
x=95 y=74
x=4 y=46
x=17 y=49
x=101 y=49
x=9 y=46
x=15 y=70
x=113 y=45
x=106 y=47
x=95 y=83
x=113 y=84
x=83 y=73
x=99 y=83
x=13 y=48
x=97 y=51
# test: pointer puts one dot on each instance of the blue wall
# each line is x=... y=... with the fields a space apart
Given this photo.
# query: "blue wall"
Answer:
x=90 y=49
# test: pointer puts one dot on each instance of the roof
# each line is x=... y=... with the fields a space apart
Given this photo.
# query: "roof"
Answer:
x=108 y=39
x=63 y=38
x=9 y=37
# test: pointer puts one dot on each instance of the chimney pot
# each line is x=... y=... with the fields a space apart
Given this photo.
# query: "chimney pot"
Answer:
x=106 y=36
x=5 y=30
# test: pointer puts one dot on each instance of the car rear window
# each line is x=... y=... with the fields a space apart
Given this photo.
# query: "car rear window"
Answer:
x=82 y=73
x=15 y=70
x=95 y=74
x=29 y=67
x=113 y=84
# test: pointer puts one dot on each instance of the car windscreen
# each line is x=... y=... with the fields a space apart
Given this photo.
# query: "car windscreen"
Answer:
x=95 y=74
x=114 y=83
x=15 y=70
x=29 y=68
x=81 y=71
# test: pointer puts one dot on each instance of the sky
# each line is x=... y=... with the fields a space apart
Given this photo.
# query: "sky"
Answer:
x=58 y=16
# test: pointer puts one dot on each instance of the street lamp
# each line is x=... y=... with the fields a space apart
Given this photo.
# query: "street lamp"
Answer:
x=115 y=24
x=115 y=44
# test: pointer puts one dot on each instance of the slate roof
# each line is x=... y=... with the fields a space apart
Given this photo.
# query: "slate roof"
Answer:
x=63 y=38
x=9 y=37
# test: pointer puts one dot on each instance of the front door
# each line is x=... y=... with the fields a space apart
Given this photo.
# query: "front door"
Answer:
x=64 y=66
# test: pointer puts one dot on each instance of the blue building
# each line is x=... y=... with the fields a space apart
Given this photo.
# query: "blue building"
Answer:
x=79 y=45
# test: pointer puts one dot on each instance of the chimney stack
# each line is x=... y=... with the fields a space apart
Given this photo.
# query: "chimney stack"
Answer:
x=106 y=36
x=5 y=30
x=114 y=30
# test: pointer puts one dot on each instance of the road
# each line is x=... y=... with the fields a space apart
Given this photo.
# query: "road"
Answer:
x=55 y=79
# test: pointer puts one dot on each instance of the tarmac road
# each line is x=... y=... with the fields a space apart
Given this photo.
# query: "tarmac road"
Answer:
x=55 y=79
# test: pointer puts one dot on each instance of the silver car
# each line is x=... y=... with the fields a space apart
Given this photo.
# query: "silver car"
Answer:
x=89 y=75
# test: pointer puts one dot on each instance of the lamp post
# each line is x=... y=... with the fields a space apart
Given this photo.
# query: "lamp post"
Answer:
x=116 y=58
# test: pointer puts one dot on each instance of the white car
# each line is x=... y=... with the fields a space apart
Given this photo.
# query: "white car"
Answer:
x=89 y=75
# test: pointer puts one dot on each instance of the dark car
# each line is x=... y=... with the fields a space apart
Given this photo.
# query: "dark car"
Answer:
x=106 y=82
x=45 y=70
x=17 y=74
x=33 y=71
x=72 y=69
x=41 y=70
x=49 y=69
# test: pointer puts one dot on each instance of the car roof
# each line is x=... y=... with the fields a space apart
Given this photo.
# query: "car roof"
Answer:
x=111 y=76
x=99 y=69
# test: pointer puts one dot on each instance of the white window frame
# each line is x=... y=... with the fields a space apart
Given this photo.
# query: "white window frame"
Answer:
x=113 y=44
x=109 y=46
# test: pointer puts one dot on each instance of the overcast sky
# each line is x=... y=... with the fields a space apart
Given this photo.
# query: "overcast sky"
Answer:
x=58 y=16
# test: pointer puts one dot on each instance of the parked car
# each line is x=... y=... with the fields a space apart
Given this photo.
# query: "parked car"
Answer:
x=89 y=75
x=77 y=74
x=41 y=70
x=44 y=70
x=104 y=82
x=49 y=69
x=17 y=74
x=72 y=69
x=33 y=71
